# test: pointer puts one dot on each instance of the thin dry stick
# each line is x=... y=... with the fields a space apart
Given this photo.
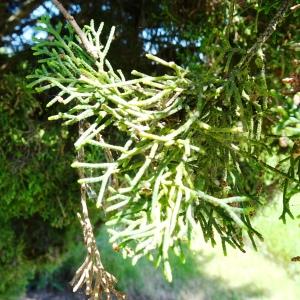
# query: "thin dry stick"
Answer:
x=97 y=280
x=85 y=42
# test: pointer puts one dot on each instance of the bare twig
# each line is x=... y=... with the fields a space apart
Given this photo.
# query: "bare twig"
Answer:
x=85 y=42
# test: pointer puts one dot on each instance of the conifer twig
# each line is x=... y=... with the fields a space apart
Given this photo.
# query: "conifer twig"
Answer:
x=180 y=161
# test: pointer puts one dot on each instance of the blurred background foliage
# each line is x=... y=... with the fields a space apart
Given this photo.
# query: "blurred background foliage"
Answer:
x=39 y=233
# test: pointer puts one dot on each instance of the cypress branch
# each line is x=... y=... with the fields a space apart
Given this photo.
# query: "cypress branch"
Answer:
x=190 y=145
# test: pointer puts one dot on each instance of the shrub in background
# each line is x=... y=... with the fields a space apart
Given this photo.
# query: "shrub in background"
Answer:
x=38 y=194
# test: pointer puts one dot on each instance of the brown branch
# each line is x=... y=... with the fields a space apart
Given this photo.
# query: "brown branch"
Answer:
x=85 y=42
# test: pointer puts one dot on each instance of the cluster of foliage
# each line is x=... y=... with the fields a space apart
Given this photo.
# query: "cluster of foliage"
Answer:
x=194 y=35
x=192 y=147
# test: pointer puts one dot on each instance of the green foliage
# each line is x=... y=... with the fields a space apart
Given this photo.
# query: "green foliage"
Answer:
x=288 y=128
x=36 y=207
x=27 y=147
x=191 y=148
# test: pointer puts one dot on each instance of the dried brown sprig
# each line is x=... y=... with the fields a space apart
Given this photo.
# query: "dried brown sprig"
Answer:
x=98 y=282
